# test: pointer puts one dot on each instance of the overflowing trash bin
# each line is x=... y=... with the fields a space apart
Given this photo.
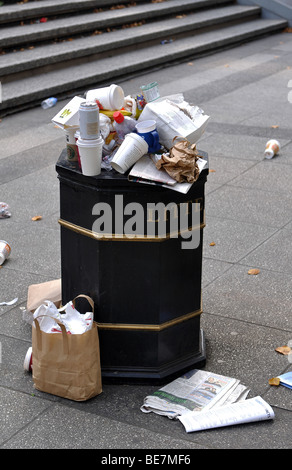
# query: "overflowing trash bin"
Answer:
x=132 y=230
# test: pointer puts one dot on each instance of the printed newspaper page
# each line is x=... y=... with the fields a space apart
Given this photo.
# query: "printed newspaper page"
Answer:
x=196 y=390
x=253 y=409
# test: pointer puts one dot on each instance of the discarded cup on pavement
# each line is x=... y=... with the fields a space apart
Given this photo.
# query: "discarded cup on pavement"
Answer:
x=5 y=250
x=27 y=364
x=272 y=148
x=89 y=120
x=147 y=130
x=130 y=151
x=90 y=152
x=4 y=210
x=72 y=150
x=111 y=97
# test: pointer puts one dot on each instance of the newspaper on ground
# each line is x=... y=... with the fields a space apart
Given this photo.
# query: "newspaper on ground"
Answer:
x=145 y=171
x=194 y=391
x=247 y=411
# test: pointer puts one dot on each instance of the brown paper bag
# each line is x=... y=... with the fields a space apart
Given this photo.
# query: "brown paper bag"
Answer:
x=38 y=293
x=67 y=365
x=181 y=163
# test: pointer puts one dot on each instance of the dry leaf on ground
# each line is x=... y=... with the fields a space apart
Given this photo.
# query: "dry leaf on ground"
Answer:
x=283 y=350
x=253 y=271
x=274 y=381
x=212 y=244
x=36 y=217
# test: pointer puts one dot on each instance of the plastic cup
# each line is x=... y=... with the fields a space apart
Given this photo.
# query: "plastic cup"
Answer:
x=147 y=130
x=111 y=97
x=90 y=152
x=130 y=151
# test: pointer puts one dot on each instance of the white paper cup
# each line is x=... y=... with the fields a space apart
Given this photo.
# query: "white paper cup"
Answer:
x=90 y=152
x=111 y=97
x=130 y=151
x=72 y=151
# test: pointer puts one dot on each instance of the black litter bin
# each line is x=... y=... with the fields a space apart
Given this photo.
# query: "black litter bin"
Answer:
x=146 y=289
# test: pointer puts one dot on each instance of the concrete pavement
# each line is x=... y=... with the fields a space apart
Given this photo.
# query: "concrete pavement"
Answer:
x=248 y=216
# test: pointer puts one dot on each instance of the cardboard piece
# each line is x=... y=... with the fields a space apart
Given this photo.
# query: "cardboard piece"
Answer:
x=69 y=115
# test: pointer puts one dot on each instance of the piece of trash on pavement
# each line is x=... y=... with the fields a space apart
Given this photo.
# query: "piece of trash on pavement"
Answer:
x=49 y=103
x=36 y=217
x=196 y=390
x=272 y=148
x=274 y=381
x=11 y=302
x=286 y=379
x=5 y=250
x=27 y=363
x=247 y=411
x=4 y=210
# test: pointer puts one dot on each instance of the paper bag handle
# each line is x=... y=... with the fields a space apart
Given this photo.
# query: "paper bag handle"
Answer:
x=90 y=301
x=63 y=330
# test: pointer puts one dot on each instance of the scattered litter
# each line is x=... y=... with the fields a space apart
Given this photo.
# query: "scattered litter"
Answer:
x=196 y=390
x=4 y=210
x=49 y=103
x=253 y=271
x=285 y=350
x=36 y=217
x=275 y=126
x=166 y=41
x=286 y=379
x=5 y=250
x=274 y=381
x=27 y=363
x=11 y=302
x=272 y=148
x=212 y=244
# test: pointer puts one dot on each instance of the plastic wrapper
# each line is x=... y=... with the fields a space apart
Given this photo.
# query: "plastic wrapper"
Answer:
x=4 y=211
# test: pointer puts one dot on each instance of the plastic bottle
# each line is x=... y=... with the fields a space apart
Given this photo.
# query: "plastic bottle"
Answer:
x=49 y=103
x=123 y=124
x=5 y=250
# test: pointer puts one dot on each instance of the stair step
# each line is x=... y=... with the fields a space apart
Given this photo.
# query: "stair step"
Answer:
x=31 y=33
x=113 y=41
x=79 y=78
x=19 y=12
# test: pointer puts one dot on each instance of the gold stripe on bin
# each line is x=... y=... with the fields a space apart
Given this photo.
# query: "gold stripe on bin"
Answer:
x=144 y=327
x=122 y=237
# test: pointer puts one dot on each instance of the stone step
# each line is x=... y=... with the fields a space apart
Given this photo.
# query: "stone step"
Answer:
x=16 y=12
x=77 y=79
x=11 y=36
x=43 y=56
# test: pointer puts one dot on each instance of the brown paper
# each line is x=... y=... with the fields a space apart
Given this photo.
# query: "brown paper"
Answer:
x=66 y=365
x=181 y=164
x=38 y=293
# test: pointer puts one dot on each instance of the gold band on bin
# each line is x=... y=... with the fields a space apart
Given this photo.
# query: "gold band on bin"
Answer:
x=122 y=237
x=162 y=326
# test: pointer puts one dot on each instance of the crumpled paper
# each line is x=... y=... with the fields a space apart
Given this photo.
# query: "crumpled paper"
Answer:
x=181 y=161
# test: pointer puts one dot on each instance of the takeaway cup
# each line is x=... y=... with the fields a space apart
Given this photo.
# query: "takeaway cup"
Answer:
x=147 y=130
x=111 y=97
x=130 y=151
x=90 y=152
x=72 y=151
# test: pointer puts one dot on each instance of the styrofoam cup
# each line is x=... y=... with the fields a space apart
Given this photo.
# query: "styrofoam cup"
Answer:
x=111 y=97
x=90 y=152
x=130 y=151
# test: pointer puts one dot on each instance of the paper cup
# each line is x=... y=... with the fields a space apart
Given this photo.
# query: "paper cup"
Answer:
x=90 y=152
x=72 y=151
x=130 y=151
x=111 y=97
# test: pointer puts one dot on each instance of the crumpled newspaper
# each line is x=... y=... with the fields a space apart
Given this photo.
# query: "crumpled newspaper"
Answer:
x=181 y=161
x=4 y=210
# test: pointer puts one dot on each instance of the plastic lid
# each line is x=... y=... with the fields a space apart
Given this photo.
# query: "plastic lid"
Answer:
x=118 y=117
